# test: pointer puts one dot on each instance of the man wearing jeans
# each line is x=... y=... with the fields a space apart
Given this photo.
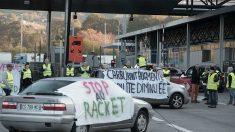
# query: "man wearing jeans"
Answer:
x=231 y=85
x=212 y=87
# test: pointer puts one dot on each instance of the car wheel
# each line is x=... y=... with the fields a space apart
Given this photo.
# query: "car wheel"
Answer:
x=176 y=101
x=141 y=122
x=79 y=128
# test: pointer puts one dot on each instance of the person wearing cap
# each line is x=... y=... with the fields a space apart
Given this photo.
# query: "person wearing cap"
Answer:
x=26 y=77
x=141 y=61
x=8 y=81
x=70 y=70
x=231 y=85
x=212 y=87
x=47 y=69
x=84 y=71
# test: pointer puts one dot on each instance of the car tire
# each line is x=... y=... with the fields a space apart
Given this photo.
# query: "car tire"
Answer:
x=176 y=101
x=141 y=122
x=80 y=128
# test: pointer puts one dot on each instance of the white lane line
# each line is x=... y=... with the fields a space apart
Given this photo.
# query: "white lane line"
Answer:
x=172 y=125
x=157 y=119
x=179 y=128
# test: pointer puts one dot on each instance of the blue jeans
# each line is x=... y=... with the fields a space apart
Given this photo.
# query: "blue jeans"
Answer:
x=231 y=95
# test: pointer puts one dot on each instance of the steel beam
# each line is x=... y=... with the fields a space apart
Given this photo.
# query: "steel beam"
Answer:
x=48 y=35
x=158 y=48
x=224 y=2
x=67 y=30
x=221 y=41
x=136 y=46
x=188 y=45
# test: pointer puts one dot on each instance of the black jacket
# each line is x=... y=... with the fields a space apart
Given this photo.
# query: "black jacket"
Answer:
x=195 y=76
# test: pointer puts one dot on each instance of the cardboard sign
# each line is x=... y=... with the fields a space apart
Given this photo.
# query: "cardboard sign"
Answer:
x=99 y=101
x=16 y=71
x=139 y=83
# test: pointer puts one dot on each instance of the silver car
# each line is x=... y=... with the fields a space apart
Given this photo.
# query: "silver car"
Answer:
x=43 y=109
x=177 y=94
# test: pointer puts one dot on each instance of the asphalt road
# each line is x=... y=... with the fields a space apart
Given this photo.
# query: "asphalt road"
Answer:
x=191 y=118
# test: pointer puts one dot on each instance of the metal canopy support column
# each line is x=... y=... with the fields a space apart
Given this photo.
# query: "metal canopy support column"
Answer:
x=188 y=45
x=221 y=41
x=48 y=35
x=158 y=48
x=67 y=30
x=136 y=46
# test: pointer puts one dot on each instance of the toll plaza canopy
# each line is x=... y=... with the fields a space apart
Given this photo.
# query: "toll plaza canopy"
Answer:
x=157 y=7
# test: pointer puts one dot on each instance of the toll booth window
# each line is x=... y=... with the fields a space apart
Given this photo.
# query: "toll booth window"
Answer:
x=77 y=43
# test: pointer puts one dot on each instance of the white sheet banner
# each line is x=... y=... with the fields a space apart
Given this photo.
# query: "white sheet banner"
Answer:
x=99 y=101
x=139 y=83
x=16 y=76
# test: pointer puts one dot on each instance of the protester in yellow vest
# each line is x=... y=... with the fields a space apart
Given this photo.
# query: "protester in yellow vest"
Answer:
x=212 y=87
x=231 y=85
x=8 y=81
x=47 y=70
x=166 y=73
x=70 y=71
x=26 y=77
x=141 y=61
x=85 y=71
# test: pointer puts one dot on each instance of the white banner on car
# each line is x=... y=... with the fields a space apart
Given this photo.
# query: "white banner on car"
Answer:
x=139 y=83
x=99 y=101
x=16 y=71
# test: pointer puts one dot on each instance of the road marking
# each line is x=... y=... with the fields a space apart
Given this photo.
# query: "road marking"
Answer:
x=201 y=97
x=157 y=119
x=172 y=125
x=179 y=128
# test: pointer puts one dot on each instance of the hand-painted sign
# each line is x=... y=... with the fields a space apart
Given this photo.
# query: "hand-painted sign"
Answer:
x=99 y=101
x=16 y=71
x=139 y=83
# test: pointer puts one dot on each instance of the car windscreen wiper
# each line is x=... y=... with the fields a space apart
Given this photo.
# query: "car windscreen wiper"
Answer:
x=44 y=93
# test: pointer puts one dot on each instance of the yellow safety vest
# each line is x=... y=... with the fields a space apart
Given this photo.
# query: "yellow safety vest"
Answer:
x=233 y=80
x=166 y=74
x=85 y=74
x=47 y=70
x=211 y=84
x=10 y=80
x=70 y=72
x=142 y=62
x=27 y=74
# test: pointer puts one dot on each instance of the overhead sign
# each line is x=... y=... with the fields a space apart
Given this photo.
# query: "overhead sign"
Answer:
x=139 y=83
x=99 y=101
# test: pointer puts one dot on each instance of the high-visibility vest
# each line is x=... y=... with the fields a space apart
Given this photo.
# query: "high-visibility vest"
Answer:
x=10 y=80
x=47 y=70
x=142 y=61
x=27 y=74
x=166 y=73
x=70 y=72
x=85 y=74
x=211 y=84
x=233 y=80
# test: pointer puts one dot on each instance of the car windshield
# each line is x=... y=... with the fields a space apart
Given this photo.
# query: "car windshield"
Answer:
x=45 y=87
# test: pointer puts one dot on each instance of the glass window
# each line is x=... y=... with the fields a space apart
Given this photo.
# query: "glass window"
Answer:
x=46 y=86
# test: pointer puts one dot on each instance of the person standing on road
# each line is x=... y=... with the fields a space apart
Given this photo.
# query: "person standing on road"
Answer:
x=212 y=87
x=8 y=81
x=47 y=69
x=85 y=71
x=166 y=73
x=70 y=72
x=26 y=77
x=231 y=85
x=195 y=80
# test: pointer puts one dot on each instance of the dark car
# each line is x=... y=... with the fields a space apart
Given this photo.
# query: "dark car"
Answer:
x=201 y=70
